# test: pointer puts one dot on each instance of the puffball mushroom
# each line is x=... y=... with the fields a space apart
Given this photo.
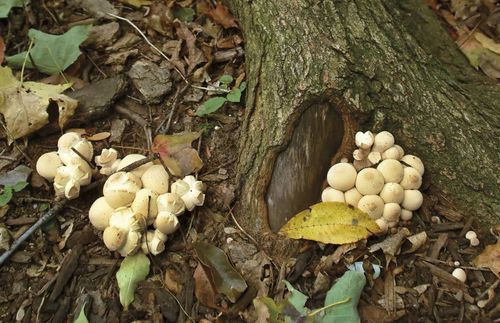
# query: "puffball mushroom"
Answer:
x=352 y=197
x=171 y=203
x=364 y=140
x=132 y=158
x=99 y=213
x=412 y=200
x=156 y=179
x=391 y=212
x=108 y=161
x=472 y=237
x=369 y=181
x=190 y=190
x=391 y=170
x=69 y=178
x=459 y=274
x=392 y=153
x=392 y=193
x=153 y=242
x=47 y=165
x=383 y=141
x=332 y=195
x=120 y=189
x=145 y=203
x=166 y=222
x=406 y=215
x=70 y=141
x=341 y=176
x=373 y=205
x=361 y=164
x=412 y=180
x=382 y=224
x=374 y=157
x=124 y=232
x=414 y=162
x=360 y=154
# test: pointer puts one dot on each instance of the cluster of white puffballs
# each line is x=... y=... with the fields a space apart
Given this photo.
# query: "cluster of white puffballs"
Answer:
x=381 y=181
x=131 y=202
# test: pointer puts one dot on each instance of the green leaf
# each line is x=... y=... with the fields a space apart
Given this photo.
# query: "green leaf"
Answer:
x=271 y=312
x=6 y=196
x=211 y=105
x=52 y=54
x=226 y=79
x=226 y=279
x=184 y=14
x=6 y=5
x=133 y=270
x=81 y=317
x=19 y=186
x=43 y=207
x=297 y=299
x=243 y=86
x=234 y=95
x=350 y=285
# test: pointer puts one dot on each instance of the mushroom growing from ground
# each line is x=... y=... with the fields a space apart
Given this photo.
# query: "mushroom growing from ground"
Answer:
x=124 y=232
x=108 y=161
x=190 y=190
x=352 y=197
x=472 y=237
x=166 y=222
x=171 y=203
x=132 y=158
x=120 y=189
x=47 y=165
x=412 y=200
x=412 y=180
x=414 y=162
x=156 y=178
x=373 y=205
x=459 y=274
x=332 y=195
x=153 y=242
x=364 y=140
x=99 y=213
x=71 y=141
x=392 y=193
x=369 y=181
x=70 y=178
x=145 y=203
x=391 y=170
x=341 y=176
x=383 y=141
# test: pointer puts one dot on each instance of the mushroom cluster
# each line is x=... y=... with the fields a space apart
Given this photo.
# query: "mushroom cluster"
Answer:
x=381 y=181
x=68 y=167
x=133 y=201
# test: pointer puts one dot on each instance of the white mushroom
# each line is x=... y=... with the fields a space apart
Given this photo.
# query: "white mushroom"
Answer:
x=332 y=195
x=153 y=242
x=156 y=178
x=369 y=181
x=474 y=242
x=414 y=162
x=190 y=190
x=99 y=213
x=361 y=164
x=472 y=237
x=391 y=212
x=374 y=157
x=132 y=158
x=124 y=231
x=70 y=141
x=360 y=154
x=352 y=197
x=401 y=151
x=383 y=141
x=406 y=215
x=382 y=224
x=412 y=200
x=166 y=222
x=364 y=140
x=392 y=170
x=392 y=153
x=341 y=176
x=392 y=193
x=373 y=205
x=171 y=203
x=47 y=165
x=108 y=161
x=412 y=180
x=145 y=203
x=459 y=274
x=70 y=178
x=120 y=189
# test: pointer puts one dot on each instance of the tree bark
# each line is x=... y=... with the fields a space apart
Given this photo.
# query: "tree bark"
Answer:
x=318 y=71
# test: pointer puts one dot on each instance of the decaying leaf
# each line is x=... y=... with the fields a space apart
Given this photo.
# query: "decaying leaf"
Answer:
x=195 y=55
x=24 y=106
x=99 y=136
x=133 y=270
x=204 y=290
x=226 y=279
x=267 y=310
x=417 y=241
x=330 y=222
x=52 y=54
x=490 y=258
x=221 y=15
x=391 y=245
x=177 y=154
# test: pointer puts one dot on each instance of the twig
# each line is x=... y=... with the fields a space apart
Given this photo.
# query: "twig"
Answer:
x=241 y=229
x=172 y=110
x=83 y=157
x=139 y=120
x=58 y=206
x=25 y=59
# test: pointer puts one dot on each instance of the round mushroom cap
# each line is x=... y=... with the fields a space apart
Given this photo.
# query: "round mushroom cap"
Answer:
x=392 y=193
x=342 y=176
x=74 y=141
x=414 y=162
x=132 y=244
x=406 y=215
x=470 y=235
x=352 y=197
x=156 y=179
x=373 y=205
x=412 y=180
x=383 y=141
x=369 y=181
x=114 y=238
x=374 y=157
x=47 y=165
x=68 y=140
x=382 y=224
x=392 y=153
x=412 y=200
x=364 y=140
x=99 y=213
x=391 y=212
x=392 y=170
x=120 y=189
x=107 y=157
x=166 y=222
x=132 y=158
x=459 y=274
x=332 y=195
x=145 y=204
x=171 y=203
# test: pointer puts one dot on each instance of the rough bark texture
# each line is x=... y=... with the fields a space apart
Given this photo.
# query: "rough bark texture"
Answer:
x=380 y=64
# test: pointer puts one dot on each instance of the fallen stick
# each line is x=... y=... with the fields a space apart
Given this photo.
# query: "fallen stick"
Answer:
x=58 y=206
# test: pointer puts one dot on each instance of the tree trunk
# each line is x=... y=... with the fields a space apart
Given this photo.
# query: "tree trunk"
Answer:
x=318 y=71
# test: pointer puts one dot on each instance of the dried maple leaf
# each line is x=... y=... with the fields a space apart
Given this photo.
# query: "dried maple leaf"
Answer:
x=177 y=154
x=490 y=258
x=221 y=15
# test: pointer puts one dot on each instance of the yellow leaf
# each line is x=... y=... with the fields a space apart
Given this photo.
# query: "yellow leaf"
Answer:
x=331 y=222
x=487 y=42
x=490 y=258
x=138 y=3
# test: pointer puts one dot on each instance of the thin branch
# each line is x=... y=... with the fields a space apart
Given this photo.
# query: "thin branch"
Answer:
x=179 y=93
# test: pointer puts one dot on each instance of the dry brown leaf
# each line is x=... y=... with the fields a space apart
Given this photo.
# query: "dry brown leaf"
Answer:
x=392 y=245
x=490 y=258
x=417 y=241
x=221 y=15
x=204 y=288
x=195 y=55
x=99 y=136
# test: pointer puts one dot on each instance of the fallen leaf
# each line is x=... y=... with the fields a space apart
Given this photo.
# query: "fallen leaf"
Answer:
x=81 y=317
x=184 y=14
x=417 y=241
x=15 y=176
x=99 y=136
x=296 y=299
x=267 y=310
x=133 y=270
x=348 y=287
x=221 y=15
x=138 y=3
x=195 y=55
x=490 y=258
x=487 y=42
x=204 y=290
x=52 y=54
x=211 y=106
x=177 y=154
x=331 y=222
x=226 y=279
x=6 y=5
x=391 y=245
x=24 y=106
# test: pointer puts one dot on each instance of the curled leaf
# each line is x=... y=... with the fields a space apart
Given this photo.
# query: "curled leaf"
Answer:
x=177 y=154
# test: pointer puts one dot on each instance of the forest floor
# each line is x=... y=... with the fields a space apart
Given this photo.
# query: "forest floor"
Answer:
x=66 y=265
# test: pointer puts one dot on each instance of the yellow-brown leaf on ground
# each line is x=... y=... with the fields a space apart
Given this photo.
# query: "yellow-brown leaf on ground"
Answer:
x=221 y=15
x=24 y=106
x=138 y=3
x=331 y=222
x=490 y=258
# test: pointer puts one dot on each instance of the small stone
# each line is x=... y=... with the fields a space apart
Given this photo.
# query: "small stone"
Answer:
x=152 y=81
